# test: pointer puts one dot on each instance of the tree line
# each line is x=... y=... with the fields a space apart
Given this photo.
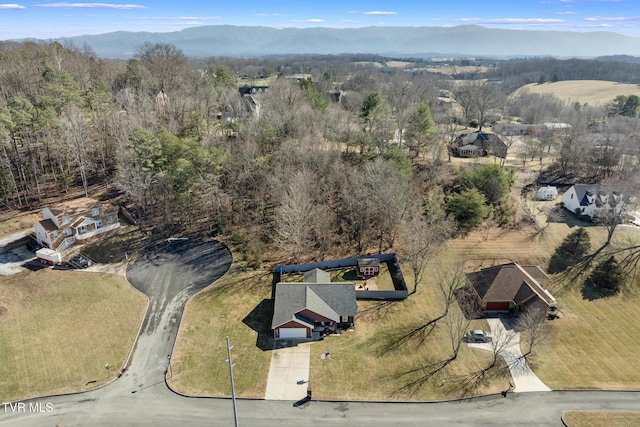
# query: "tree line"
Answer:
x=303 y=173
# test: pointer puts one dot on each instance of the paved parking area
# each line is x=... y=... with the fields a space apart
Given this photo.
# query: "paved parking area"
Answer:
x=289 y=373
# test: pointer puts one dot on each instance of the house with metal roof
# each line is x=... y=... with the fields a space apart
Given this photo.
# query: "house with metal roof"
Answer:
x=313 y=308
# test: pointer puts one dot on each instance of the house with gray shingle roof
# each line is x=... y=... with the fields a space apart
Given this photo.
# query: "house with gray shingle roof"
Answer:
x=313 y=308
x=478 y=144
x=511 y=286
x=590 y=199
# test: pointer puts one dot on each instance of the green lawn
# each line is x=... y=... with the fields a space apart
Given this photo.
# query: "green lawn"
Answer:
x=593 y=344
x=58 y=329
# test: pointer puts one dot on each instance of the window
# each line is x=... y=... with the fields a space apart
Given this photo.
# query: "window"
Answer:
x=98 y=223
x=55 y=235
x=68 y=232
x=572 y=196
x=368 y=271
x=95 y=211
x=109 y=219
x=66 y=220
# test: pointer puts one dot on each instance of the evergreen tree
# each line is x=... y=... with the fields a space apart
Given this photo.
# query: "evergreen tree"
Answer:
x=469 y=207
x=607 y=276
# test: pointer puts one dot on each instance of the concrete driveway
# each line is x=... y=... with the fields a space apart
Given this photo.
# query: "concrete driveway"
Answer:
x=289 y=373
x=507 y=342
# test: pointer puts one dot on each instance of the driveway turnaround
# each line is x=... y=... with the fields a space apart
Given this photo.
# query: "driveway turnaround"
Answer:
x=289 y=373
x=169 y=274
x=507 y=342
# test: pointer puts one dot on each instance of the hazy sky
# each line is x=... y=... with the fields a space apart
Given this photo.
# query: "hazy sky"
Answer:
x=49 y=19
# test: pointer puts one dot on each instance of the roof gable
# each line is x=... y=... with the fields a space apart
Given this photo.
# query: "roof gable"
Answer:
x=330 y=300
x=316 y=276
x=510 y=282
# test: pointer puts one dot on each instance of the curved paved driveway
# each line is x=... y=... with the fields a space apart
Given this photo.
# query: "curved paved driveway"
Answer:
x=169 y=274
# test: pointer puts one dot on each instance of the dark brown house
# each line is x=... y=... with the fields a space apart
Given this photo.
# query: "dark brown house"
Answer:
x=511 y=287
x=479 y=144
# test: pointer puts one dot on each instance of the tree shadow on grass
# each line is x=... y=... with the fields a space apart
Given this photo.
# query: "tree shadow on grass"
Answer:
x=259 y=319
x=591 y=292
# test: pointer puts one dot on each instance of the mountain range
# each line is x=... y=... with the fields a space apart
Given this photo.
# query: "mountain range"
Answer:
x=464 y=40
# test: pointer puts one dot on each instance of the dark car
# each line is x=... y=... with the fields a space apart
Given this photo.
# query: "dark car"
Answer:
x=34 y=246
x=81 y=261
x=477 y=336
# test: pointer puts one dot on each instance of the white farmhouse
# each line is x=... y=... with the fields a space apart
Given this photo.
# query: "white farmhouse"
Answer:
x=589 y=200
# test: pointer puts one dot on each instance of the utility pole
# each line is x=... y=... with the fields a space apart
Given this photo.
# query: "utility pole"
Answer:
x=233 y=389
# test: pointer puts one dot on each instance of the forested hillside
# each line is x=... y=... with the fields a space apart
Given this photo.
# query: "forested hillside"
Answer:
x=293 y=168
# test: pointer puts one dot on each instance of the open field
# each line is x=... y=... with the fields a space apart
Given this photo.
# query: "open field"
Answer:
x=601 y=419
x=593 y=92
x=236 y=306
x=451 y=70
x=59 y=328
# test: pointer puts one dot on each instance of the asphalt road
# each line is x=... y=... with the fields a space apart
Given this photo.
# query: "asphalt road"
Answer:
x=172 y=272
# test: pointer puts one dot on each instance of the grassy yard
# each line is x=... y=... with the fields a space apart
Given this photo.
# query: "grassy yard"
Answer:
x=367 y=363
x=589 y=345
x=236 y=306
x=601 y=419
x=593 y=345
x=126 y=242
x=16 y=221
x=59 y=328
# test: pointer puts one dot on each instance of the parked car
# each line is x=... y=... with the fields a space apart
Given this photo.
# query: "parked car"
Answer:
x=81 y=261
x=33 y=246
x=477 y=336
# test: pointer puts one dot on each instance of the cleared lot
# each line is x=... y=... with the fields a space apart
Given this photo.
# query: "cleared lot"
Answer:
x=58 y=329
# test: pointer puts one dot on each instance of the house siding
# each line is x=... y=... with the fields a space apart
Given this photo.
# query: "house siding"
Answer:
x=95 y=214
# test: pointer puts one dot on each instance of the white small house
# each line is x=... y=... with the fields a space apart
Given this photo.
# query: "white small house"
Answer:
x=547 y=192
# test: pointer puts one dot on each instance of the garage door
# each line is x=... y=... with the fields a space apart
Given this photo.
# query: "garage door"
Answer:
x=293 y=333
x=497 y=306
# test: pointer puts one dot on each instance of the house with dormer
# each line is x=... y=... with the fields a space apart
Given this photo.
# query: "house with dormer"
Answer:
x=66 y=223
x=590 y=199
